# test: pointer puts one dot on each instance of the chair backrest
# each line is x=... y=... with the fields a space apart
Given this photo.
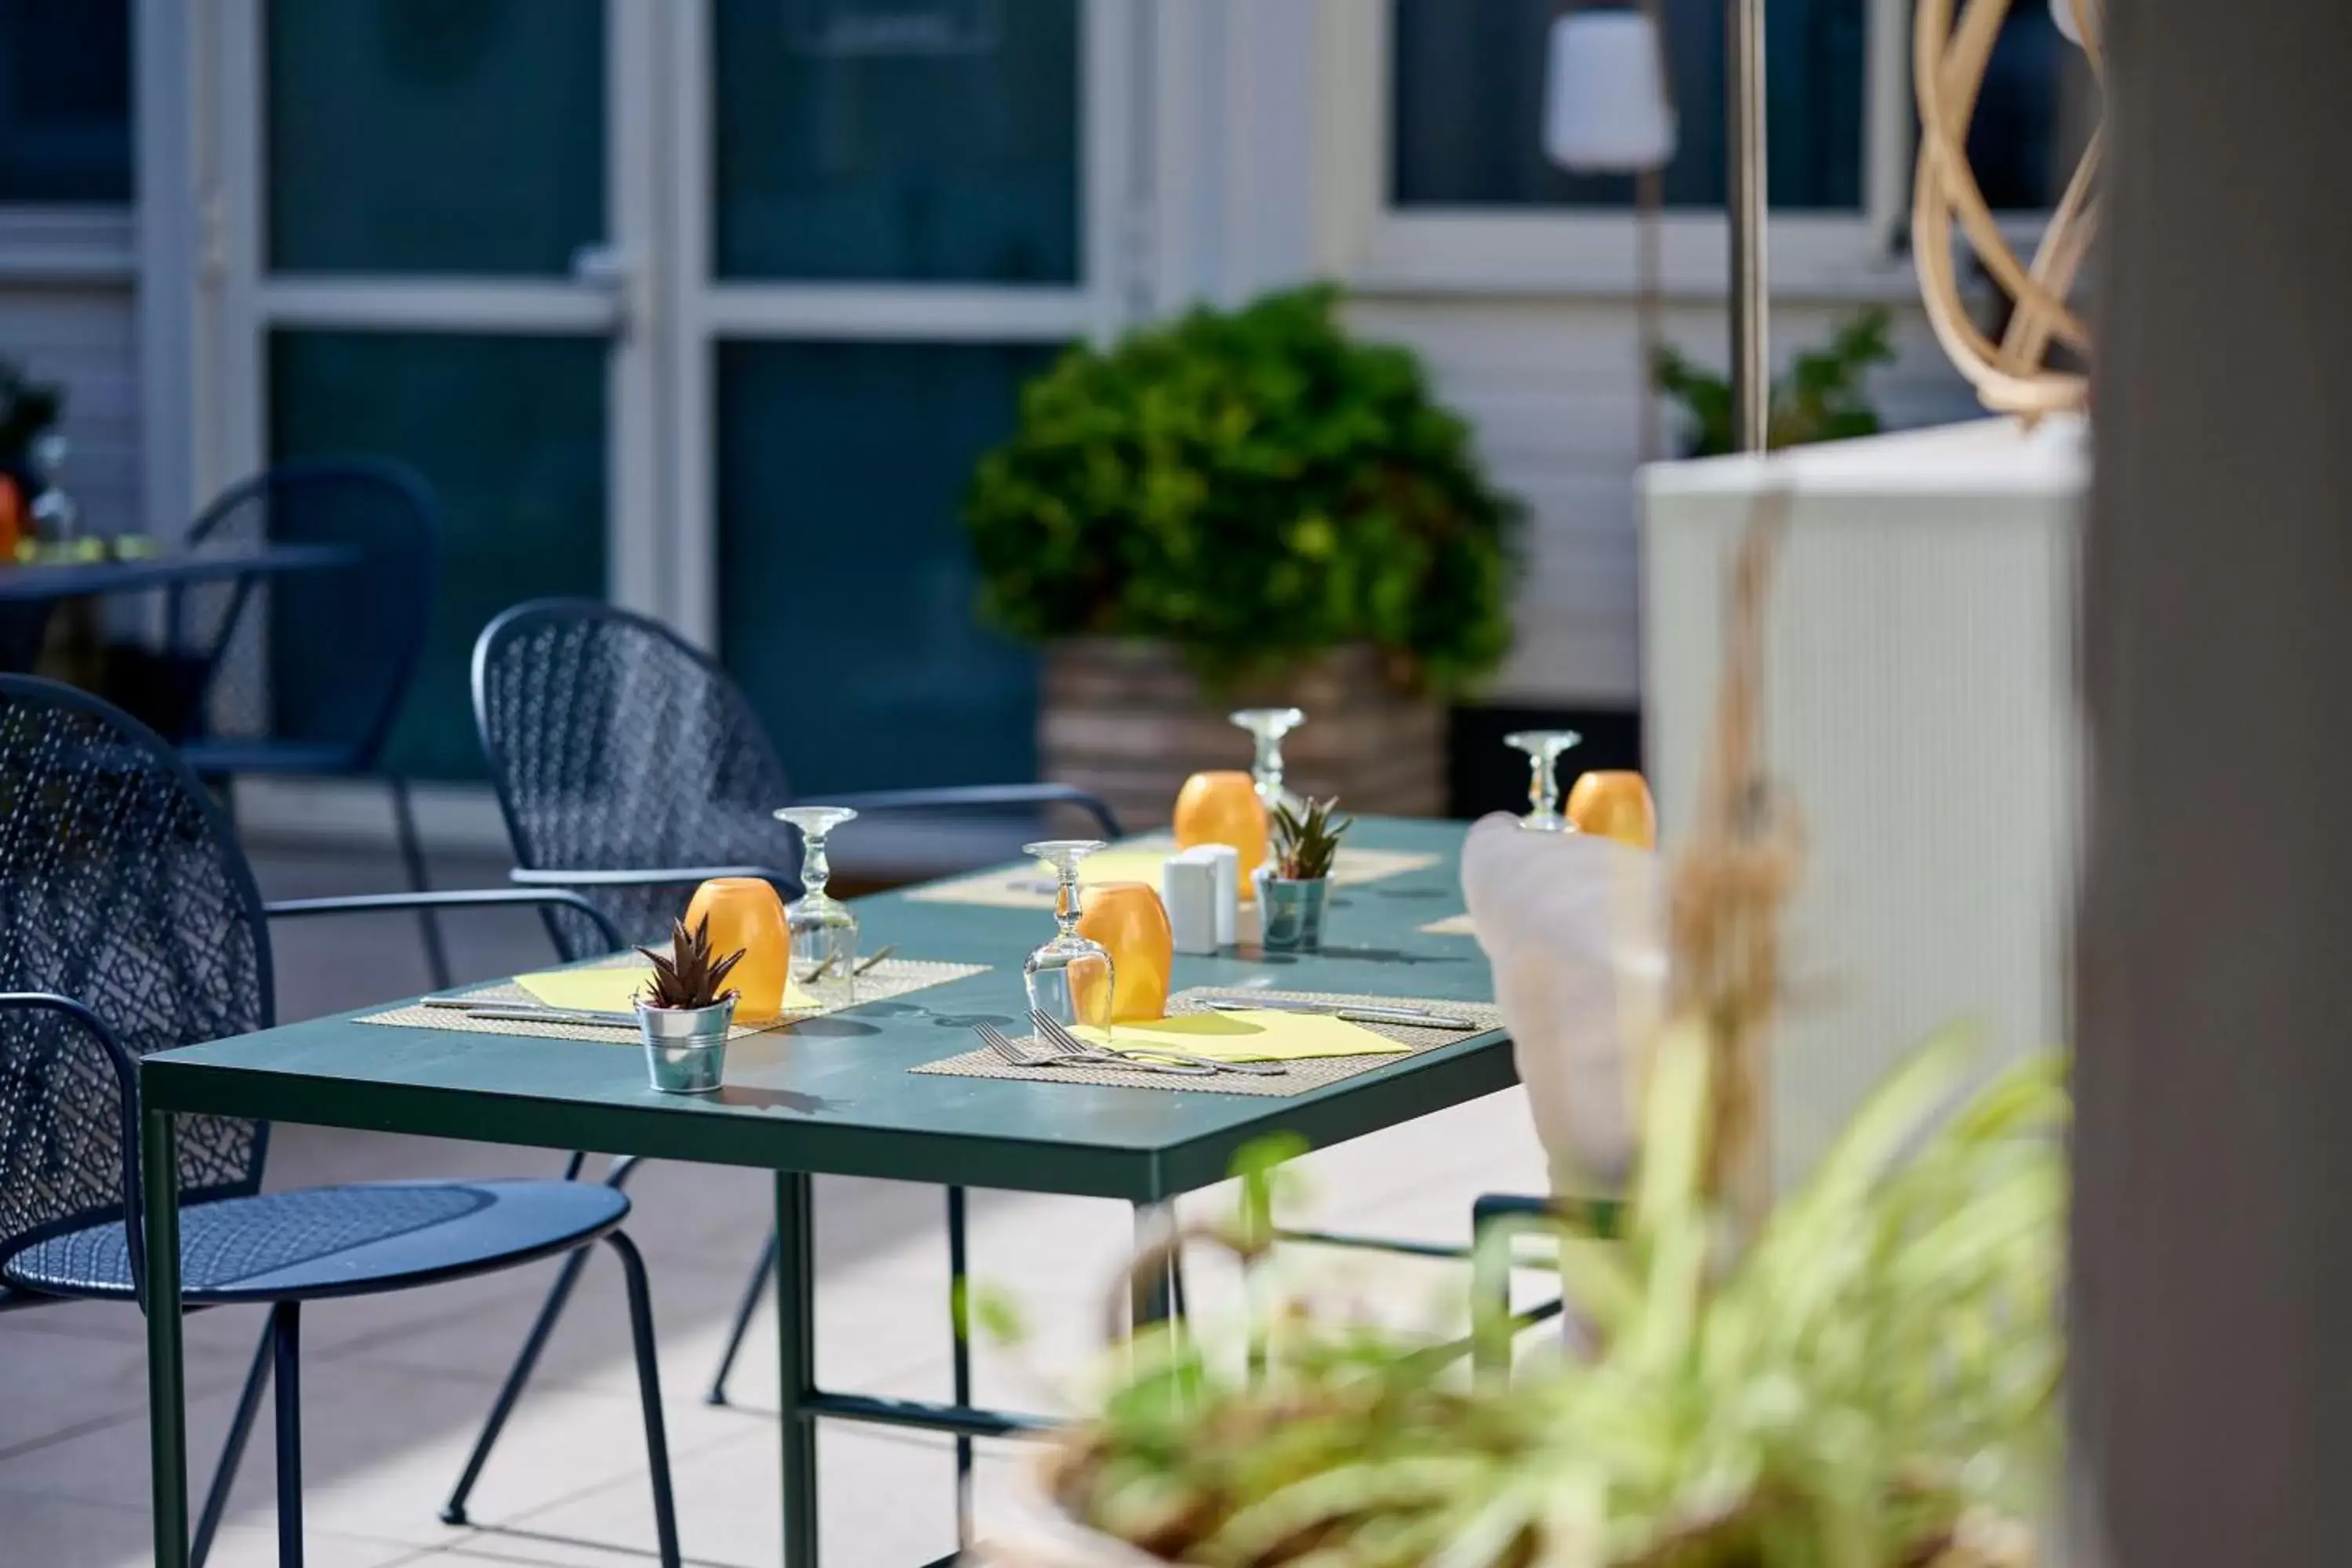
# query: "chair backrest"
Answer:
x=615 y=745
x=323 y=656
x=120 y=886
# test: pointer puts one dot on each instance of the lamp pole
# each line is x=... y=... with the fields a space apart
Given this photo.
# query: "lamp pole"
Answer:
x=1751 y=384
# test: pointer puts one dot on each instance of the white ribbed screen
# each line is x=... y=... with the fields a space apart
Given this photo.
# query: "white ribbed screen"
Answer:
x=1921 y=708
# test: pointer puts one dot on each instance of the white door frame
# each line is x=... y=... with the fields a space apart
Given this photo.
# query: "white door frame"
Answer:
x=612 y=291
x=699 y=311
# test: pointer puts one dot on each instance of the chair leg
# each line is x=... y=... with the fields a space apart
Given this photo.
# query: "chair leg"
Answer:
x=641 y=1333
x=525 y=1362
x=285 y=1325
x=534 y=1343
x=412 y=856
x=240 y=1429
x=761 y=1272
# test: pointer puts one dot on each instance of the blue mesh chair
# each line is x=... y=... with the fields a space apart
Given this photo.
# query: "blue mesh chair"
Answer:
x=130 y=923
x=303 y=675
x=629 y=765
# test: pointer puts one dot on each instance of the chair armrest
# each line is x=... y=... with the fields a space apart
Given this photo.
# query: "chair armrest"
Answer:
x=966 y=797
x=126 y=1082
x=1601 y=1216
x=476 y=898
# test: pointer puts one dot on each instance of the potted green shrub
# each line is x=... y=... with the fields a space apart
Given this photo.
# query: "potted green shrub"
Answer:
x=1821 y=397
x=1244 y=507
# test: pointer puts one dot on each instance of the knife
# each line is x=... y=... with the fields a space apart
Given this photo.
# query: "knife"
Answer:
x=1352 y=1012
x=527 y=1013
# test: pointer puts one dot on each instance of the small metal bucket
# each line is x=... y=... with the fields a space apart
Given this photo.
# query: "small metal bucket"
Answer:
x=1292 y=914
x=686 y=1049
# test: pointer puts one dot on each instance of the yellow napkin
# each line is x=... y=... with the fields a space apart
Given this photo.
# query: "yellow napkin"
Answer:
x=1260 y=1035
x=1122 y=866
x=615 y=990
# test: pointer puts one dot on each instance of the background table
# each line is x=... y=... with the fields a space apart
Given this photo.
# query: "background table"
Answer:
x=28 y=593
x=832 y=1095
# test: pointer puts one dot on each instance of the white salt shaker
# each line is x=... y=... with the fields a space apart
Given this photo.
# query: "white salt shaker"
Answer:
x=1188 y=887
x=1228 y=863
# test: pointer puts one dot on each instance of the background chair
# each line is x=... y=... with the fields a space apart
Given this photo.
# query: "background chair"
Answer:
x=630 y=766
x=305 y=674
x=130 y=923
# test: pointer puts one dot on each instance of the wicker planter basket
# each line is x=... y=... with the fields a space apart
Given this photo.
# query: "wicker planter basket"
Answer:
x=1027 y=1529
x=1130 y=721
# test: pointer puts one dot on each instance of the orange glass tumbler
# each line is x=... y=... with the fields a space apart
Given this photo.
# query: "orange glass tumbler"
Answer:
x=1224 y=808
x=1132 y=923
x=1615 y=805
x=745 y=912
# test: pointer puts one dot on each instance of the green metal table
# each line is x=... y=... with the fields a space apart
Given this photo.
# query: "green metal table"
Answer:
x=832 y=1096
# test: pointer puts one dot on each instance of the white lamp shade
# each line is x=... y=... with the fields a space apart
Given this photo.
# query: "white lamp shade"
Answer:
x=1605 y=109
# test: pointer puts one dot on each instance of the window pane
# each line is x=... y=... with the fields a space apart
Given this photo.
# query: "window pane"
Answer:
x=845 y=585
x=434 y=136
x=899 y=140
x=1468 y=118
x=2037 y=106
x=510 y=432
x=64 y=100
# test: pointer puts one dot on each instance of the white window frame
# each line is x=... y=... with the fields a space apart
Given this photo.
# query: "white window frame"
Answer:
x=702 y=310
x=1378 y=247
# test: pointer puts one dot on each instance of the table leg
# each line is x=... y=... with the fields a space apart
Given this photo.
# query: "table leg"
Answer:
x=960 y=1304
x=1150 y=1299
x=796 y=1362
x=167 y=1433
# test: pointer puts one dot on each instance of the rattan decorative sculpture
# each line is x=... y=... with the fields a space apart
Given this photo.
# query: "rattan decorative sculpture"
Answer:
x=1949 y=58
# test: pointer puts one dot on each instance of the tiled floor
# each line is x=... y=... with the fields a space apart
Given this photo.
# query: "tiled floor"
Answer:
x=395 y=1387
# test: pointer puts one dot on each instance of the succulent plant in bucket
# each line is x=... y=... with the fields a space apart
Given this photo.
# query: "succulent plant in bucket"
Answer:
x=684 y=1016
x=1295 y=887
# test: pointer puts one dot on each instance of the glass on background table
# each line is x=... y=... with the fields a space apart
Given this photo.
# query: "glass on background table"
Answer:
x=803 y=1103
x=823 y=928
x=1070 y=978
x=1267 y=727
x=1544 y=749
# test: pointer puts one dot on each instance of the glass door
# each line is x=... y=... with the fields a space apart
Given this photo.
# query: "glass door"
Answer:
x=432 y=220
x=888 y=213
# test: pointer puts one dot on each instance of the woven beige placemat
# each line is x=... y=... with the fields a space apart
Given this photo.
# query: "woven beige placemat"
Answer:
x=1032 y=887
x=1297 y=1077
x=1452 y=925
x=891 y=977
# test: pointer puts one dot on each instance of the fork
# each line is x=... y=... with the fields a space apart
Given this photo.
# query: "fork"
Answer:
x=1005 y=1051
x=1051 y=1033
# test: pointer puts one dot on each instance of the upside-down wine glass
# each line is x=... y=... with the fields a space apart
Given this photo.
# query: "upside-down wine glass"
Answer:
x=1069 y=978
x=1267 y=726
x=823 y=928
x=1543 y=748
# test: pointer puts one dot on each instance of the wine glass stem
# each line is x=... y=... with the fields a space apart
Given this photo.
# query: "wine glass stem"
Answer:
x=1269 y=767
x=1543 y=787
x=815 y=870
x=1068 y=905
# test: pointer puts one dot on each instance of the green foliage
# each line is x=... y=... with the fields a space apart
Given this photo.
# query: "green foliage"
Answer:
x=1821 y=397
x=1255 y=487
x=1871 y=1382
x=1306 y=841
x=27 y=408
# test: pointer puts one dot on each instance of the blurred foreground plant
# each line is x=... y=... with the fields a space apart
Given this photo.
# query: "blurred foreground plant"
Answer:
x=1871 y=1382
